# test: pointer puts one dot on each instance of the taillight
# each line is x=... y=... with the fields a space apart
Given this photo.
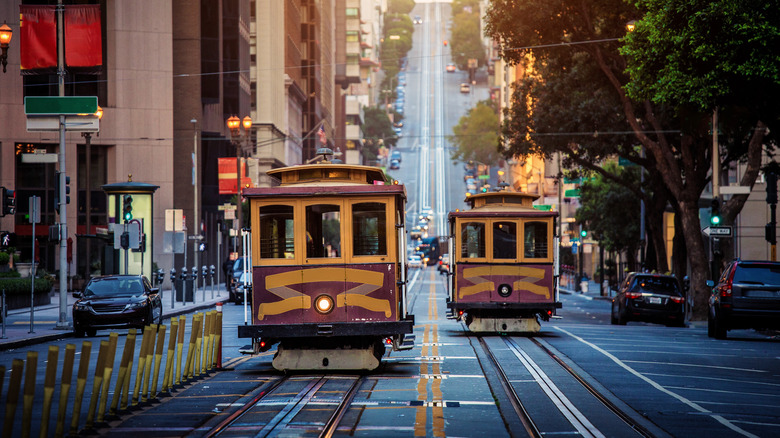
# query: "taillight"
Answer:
x=389 y=341
x=677 y=299
x=725 y=291
x=633 y=295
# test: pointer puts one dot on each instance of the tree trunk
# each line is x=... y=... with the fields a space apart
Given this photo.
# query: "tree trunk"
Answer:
x=679 y=252
x=689 y=210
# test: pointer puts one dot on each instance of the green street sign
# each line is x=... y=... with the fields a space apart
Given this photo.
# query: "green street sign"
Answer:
x=572 y=180
x=573 y=193
x=483 y=177
x=60 y=105
x=543 y=207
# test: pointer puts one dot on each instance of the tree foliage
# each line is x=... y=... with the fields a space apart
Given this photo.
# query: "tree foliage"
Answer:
x=466 y=39
x=475 y=137
x=377 y=129
x=400 y=28
x=400 y=6
x=601 y=198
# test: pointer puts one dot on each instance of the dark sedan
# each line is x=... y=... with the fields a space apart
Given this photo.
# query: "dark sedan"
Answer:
x=650 y=298
x=116 y=301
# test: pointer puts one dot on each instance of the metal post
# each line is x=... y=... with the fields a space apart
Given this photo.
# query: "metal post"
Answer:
x=173 y=287
x=126 y=249
x=3 y=315
x=196 y=220
x=213 y=269
x=87 y=200
x=32 y=276
x=204 y=271
x=62 y=322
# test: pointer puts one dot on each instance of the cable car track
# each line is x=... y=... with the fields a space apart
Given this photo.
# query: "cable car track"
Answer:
x=575 y=414
x=256 y=419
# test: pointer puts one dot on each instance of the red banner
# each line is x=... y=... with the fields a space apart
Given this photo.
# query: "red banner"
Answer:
x=38 y=37
x=226 y=175
x=83 y=39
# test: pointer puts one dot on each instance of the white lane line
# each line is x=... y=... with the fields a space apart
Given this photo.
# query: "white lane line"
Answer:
x=657 y=386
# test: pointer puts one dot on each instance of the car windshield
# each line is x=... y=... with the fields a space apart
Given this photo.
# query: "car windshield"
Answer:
x=757 y=274
x=657 y=285
x=114 y=287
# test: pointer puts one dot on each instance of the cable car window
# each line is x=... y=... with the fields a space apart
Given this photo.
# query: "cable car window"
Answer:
x=369 y=229
x=277 y=240
x=323 y=231
x=504 y=240
x=536 y=240
x=472 y=240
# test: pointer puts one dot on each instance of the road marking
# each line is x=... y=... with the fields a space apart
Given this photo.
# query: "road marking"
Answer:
x=658 y=386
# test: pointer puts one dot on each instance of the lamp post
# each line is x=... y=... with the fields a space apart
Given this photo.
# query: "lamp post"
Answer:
x=235 y=124
x=88 y=189
x=6 y=33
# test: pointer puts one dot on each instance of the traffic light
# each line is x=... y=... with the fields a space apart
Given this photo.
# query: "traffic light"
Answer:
x=771 y=187
x=715 y=213
x=127 y=208
x=9 y=201
x=770 y=234
x=716 y=251
x=584 y=233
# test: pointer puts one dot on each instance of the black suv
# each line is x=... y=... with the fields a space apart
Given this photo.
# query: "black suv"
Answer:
x=747 y=296
x=651 y=298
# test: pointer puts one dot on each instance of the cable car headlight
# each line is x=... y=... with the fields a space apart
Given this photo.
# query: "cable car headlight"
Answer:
x=504 y=290
x=323 y=304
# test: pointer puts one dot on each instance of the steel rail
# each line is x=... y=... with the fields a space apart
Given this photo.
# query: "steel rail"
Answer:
x=230 y=419
x=640 y=429
x=333 y=422
x=514 y=399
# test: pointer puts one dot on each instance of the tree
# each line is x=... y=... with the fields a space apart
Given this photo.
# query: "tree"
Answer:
x=377 y=130
x=601 y=197
x=476 y=135
x=400 y=6
x=672 y=132
x=396 y=43
x=466 y=42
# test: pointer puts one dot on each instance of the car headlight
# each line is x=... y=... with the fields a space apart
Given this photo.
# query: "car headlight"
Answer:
x=81 y=306
x=136 y=305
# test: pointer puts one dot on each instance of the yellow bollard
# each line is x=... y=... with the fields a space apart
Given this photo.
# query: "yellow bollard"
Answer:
x=13 y=396
x=97 y=384
x=191 y=350
x=168 y=373
x=197 y=330
x=180 y=347
x=65 y=381
x=139 y=375
x=148 y=362
x=199 y=347
x=29 y=392
x=124 y=371
x=48 y=388
x=107 y=371
x=81 y=384
x=209 y=342
x=218 y=342
x=123 y=400
x=157 y=360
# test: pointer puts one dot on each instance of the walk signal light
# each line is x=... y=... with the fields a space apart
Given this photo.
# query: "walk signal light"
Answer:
x=8 y=200
x=715 y=212
x=127 y=208
x=584 y=233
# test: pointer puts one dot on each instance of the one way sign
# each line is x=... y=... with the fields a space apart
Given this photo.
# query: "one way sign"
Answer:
x=717 y=231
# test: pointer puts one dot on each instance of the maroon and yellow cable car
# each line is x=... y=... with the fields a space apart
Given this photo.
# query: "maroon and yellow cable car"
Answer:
x=328 y=270
x=503 y=263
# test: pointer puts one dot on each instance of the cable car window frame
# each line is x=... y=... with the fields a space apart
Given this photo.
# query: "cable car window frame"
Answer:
x=343 y=245
x=548 y=221
x=485 y=227
x=491 y=238
x=260 y=238
x=298 y=230
x=388 y=232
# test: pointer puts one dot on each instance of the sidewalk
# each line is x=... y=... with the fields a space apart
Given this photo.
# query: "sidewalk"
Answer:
x=45 y=318
x=593 y=293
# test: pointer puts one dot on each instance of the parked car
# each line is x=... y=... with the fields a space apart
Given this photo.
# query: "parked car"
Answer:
x=747 y=296
x=395 y=155
x=416 y=233
x=426 y=212
x=235 y=274
x=451 y=67
x=415 y=261
x=394 y=164
x=465 y=88
x=244 y=278
x=116 y=301
x=417 y=19
x=650 y=298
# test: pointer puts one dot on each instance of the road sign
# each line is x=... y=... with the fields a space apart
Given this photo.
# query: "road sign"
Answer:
x=573 y=193
x=80 y=123
x=226 y=207
x=60 y=105
x=717 y=231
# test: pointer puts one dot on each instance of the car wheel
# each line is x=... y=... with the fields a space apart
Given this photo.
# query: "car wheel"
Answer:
x=91 y=332
x=78 y=331
x=612 y=318
x=622 y=318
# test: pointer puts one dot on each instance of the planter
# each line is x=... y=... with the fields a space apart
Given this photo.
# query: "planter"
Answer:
x=24 y=269
x=15 y=301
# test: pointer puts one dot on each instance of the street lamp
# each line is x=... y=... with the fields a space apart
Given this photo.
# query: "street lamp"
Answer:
x=6 y=33
x=88 y=189
x=235 y=124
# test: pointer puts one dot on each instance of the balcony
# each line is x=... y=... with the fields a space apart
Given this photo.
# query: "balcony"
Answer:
x=353 y=132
